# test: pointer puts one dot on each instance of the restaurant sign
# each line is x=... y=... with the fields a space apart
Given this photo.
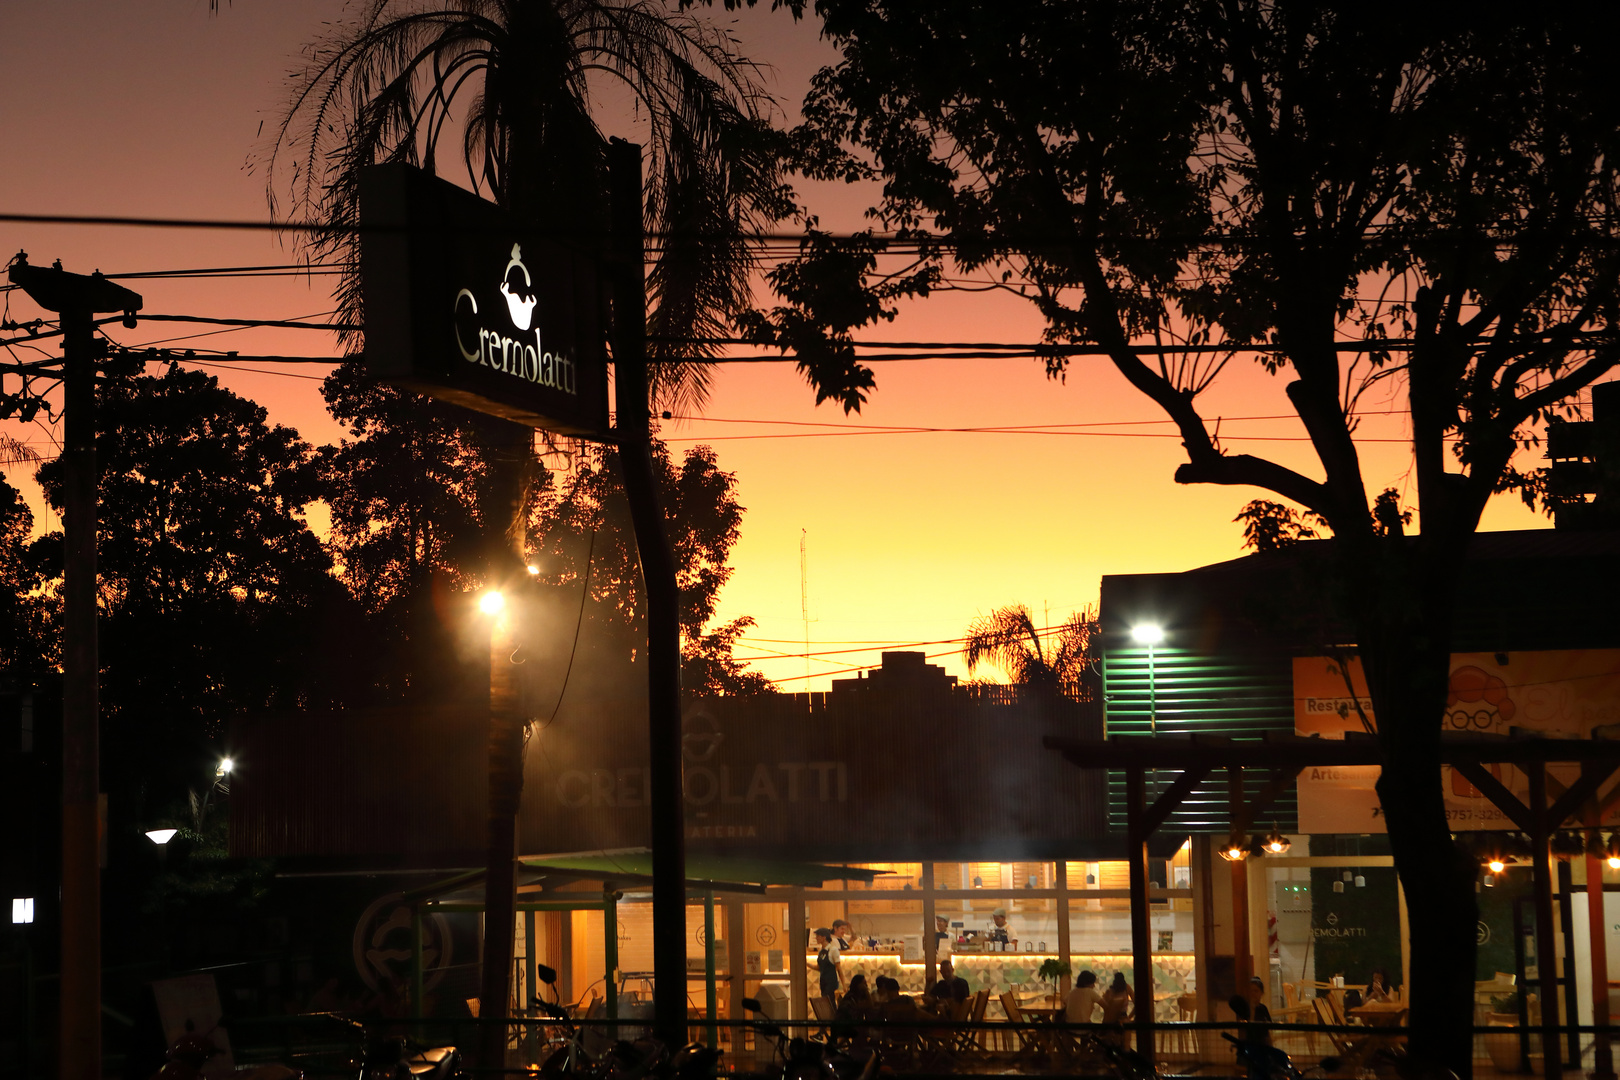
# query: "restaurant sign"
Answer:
x=464 y=304
x=1556 y=694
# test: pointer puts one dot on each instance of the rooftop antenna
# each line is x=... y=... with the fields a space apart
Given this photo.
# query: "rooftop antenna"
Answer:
x=804 y=595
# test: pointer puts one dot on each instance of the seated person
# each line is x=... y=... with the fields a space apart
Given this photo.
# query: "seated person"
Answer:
x=1378 y=989
x=857 y=1002
x=1117 y=1000
x=1083 y=1001
x=949 y=986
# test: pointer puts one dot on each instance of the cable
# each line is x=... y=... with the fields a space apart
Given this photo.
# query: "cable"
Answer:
x=579 y=620
x=894 y=243
x=280 y=324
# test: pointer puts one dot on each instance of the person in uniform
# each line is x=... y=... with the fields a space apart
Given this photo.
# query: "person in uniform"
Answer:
x=827 y=953
x=998 y=926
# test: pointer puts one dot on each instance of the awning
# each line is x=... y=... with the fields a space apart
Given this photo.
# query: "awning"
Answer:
x=629 y=866
x=723 y=873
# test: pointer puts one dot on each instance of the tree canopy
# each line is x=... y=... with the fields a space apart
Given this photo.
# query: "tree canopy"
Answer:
x=1408 y=200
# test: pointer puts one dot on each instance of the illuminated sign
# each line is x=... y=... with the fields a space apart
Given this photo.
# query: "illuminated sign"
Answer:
x=463 y=304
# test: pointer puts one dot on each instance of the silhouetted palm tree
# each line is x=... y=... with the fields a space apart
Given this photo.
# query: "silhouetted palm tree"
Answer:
x=1057 y=662
x=520 y=81
x=509 y=90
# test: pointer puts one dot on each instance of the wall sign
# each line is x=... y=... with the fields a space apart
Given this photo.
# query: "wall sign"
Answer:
x=464 y=305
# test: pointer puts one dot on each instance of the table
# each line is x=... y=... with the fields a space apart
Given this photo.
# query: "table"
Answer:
x=1380 y=1013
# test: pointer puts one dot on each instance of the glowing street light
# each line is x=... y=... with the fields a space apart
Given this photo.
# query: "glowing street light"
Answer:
x=225 y=767
x=161 y=836
x=1496 y=866
x=492 y=602
x=1148 y=634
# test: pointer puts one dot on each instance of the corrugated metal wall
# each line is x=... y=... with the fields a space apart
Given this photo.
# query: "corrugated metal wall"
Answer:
x=1239 y=695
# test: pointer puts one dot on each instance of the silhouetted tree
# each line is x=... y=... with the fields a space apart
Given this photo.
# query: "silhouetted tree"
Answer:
x=1410 y=195
x=588 y=518
x=216 y=598
x=1056 y=662
x=27 y=644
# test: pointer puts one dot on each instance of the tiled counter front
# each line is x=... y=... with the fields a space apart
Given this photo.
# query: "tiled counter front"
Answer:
x=1001 y=972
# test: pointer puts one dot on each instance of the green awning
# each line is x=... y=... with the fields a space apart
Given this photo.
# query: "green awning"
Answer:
x=713 y=871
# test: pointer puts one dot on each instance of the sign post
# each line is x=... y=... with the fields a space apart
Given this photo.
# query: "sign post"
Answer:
x=466 y=305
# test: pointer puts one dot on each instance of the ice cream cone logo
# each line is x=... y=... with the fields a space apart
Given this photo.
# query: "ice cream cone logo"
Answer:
x=520 y=298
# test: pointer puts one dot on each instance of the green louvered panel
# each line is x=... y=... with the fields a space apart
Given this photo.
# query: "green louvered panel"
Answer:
x=1239 y=696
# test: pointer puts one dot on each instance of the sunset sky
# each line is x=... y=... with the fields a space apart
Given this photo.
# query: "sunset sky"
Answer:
x=154 y=109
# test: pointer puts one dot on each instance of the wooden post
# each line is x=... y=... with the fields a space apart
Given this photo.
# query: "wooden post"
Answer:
x=80 y=1010
x=929 y=942
x=1597 y=925
x=798 y=969
x=1546 y=947
x=1242 y=960
x=1064 y=942
x=1141 y=945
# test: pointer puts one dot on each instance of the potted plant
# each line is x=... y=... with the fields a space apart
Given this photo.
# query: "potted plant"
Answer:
x=1052 y=969
x=1504 y=1047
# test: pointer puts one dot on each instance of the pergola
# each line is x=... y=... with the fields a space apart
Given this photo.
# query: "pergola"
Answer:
x=1279 y=760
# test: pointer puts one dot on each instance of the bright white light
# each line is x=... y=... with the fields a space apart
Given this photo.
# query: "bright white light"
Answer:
x=534 y=571
x=1496 y=866
x=226 y=765
x=22 y=910
x=161 y=836
x=1147 y=634
x=491 y=603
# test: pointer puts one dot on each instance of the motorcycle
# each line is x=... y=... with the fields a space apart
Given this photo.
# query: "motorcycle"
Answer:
x=394 y=1058
x=1266 y=1062
x=621 y=1059
x=811 y=1059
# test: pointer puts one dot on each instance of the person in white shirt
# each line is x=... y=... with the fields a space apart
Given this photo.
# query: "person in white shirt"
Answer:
x=1083 y=1001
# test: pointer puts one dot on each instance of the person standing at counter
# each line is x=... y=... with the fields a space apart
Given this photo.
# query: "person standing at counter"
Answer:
x=998 y=926
x=827 y=963
x=942 y=936
x=843 y=933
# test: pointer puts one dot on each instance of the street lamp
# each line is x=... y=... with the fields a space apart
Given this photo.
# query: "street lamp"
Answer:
x=160 y=837
x=492 y=602
x=1150 y=634
x=225 y=767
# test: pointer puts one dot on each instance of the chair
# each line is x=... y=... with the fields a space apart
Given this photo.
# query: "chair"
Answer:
x=972 y=1038
x=1346 y=1047
x=1015 y=1017
x=1187 y=1013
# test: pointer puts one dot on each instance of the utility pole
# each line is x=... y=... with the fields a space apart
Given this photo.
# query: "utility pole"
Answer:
x=77 y=299
x=668 y=819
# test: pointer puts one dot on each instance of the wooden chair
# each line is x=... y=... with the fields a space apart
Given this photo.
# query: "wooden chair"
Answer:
x=1346 y=1047
x=1016 y=1038
x=972 y=1038
x=1187 y=1013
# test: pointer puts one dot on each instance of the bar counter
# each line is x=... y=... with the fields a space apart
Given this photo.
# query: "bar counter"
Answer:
x=1001 y=972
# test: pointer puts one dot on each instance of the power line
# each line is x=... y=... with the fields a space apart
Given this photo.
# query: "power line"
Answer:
x=908 y=242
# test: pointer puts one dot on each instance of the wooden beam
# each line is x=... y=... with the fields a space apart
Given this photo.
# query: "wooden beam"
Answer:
x=1172 y=796
x=1280 y=779
x=1492 y=789
x=1593 y=773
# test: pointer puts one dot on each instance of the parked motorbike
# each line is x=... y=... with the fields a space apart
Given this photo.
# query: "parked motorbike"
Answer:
x=1266 y=1062
x=618 y=1059
x=394 y=1058
x=811 y=1059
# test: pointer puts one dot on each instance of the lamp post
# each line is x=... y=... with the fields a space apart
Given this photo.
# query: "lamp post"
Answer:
x=505 y=794
x=1150 y=634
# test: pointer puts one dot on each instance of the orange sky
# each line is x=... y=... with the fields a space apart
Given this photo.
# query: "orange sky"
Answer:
x=152 y=109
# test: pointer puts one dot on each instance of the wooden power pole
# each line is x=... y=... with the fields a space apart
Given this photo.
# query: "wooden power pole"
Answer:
x=77 y=299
